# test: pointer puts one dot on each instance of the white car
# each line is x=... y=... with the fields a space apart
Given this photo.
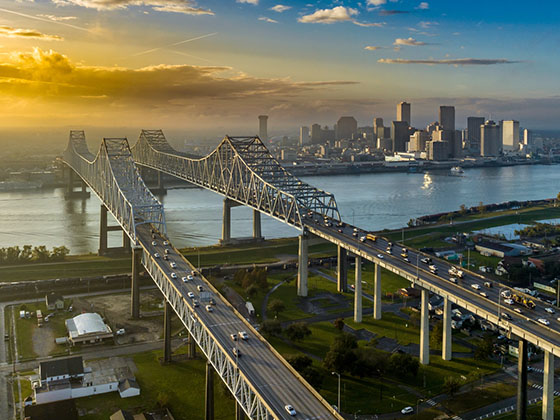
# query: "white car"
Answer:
x=191 y=295
x=483 y=294
x=156 y=255
x=165 y=243
x=154 y=243
x=199 y=288
x=509 y=301
x=173 y=265
x=166 y=251
x=209 y=308
x=519 y=311
x=407 y=410
x=233 y=337
x=290 y=410
x=173 y=275
x=184 y=279
x=120 y=331
x=362 y=238
x=506 y=294
x=475 y=286
x=549 y=310
x=406 y=259
x=544 y=321
x=243 y=335
x=380 y=256
x=189 y=277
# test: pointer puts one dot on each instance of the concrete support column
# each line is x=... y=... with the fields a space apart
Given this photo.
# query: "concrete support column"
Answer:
x=160 y=184
x=70 y=182
x=103 y=231
x=425 y=329
x=257 y=233
x=167 y=332
x=125 y=242
x=522 y=381
x=302 y=265
x=191 y=346
x=446 y=346
x=239 y=413
x=135 y=286
x=358 y=290
x=209 y=406
x=84 y=186
x=376 y=291
x=342 y=273
x=226 y=222
x=548 y=387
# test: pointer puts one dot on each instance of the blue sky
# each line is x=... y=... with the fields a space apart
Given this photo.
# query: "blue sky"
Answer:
x=188 y=64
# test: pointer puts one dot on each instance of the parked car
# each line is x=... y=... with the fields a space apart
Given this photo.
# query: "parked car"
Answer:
x=120 y=331
x=407 y=410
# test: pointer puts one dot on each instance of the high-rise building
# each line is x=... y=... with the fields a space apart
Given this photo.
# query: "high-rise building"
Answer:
x=377 y=122
x=316 y=134
x=473 y=133
x=510 y=136
x=399 y=135
x=346 y=128
x=403 y=112
x=418 y=141
x=490 y=141
x=303 y=136
x=447 y=117
x=263 y=130
x=383 y=132
x=438 y=150
x=527 y=137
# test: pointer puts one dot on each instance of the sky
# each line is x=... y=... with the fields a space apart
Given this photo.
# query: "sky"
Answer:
x=212 y=66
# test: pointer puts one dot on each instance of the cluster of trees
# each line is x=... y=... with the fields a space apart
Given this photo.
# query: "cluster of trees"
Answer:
x=344 y=356
x=538 y=230
x=294 y=332
x=28 y=253
x=252 y=280
x=304 y=365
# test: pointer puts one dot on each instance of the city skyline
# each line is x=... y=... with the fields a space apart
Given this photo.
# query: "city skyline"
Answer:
x=213 y=66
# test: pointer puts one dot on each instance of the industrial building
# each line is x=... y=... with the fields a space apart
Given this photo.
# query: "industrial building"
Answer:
x=87 y=328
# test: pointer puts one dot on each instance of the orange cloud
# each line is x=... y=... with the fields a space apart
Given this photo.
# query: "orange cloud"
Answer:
x=9 y=32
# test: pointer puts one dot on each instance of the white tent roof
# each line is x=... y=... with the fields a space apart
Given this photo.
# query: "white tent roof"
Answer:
x=88 y=323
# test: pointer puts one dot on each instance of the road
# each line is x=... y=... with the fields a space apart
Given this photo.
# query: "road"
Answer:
x=463 y=288
x=276 y=384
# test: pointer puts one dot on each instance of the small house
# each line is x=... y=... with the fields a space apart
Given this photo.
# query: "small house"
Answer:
x=54 y=301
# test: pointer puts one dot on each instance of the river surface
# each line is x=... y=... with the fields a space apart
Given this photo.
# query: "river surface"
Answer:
x=194 y=216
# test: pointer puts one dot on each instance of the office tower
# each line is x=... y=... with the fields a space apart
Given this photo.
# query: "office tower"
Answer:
x=383 y=132
x=527 y=137
x=403 y=112
x=303 y=136
x=399 y=135
x=418 y=141
x=510 y=136
x=377 y=122
x=438 y=150
x=490 y=141
x=346 y=128
x=447 y=117
x=263 y=131
x=473 y=135
x=316 y=134
x=433 y=126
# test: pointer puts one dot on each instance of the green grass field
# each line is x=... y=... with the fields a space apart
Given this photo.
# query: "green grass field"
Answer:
x=480 y=397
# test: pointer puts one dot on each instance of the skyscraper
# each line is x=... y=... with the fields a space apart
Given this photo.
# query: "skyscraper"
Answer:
x=403 y=112
x=490 y=141
x=377 y=122
x=418 y=141
x=447 y=117
x=263 y=129
x=527 y=137
x=316 y=134
x=399 y=135
x=510 y=136
x=473 y=135
x=346 y=128
x=303 y=136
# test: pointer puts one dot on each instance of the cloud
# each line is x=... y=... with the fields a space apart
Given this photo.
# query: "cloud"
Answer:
x=392 y=12
x=376 y=2
x=9 y=32
x=187 y=7
x=58 y=18
x=42 y=19
x=254 y=2
x=336 y=14
x=265 y=19
x=368 y=25
x=374 y=47
x=427 y=24
x=452 y=62
x=280 y=8
x=408 y=41
x=423 y=6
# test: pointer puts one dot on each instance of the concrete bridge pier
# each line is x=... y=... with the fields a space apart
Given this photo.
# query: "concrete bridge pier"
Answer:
x=342 y=270
x=104 y=229
x=239 y=413
x=167 y=333
x=70 y=181
x=548 y=387
x=191 y=346
x=302 y=265
x=446 y=345
x=226 y=222
x=257 y=232
x=209 y=401
x=376 y=291
x=135 y=285
x=358 y=290
x=522 y=381
x=425 y=329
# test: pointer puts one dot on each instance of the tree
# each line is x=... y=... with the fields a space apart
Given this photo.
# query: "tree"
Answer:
x=339 y=324
x=41 y=253
x=299 y=362
x=252 y=290
x=484 y=348
x=271 y=327
x=340 y=357
x=59 y=253
x=239 y=276
x=403 y=364
x=436 y=336
x=162 y=399
x=304 y=365
x=481 y=207
x=451 y=385
x=297 y=331
x=463 y=209
x=276 y=306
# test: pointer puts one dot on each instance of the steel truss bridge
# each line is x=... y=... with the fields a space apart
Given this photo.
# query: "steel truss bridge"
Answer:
x=262 y=382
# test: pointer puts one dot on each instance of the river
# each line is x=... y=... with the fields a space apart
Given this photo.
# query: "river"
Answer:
x=371 y=201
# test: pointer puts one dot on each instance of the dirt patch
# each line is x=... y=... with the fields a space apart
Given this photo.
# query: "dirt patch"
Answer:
x=43 y=341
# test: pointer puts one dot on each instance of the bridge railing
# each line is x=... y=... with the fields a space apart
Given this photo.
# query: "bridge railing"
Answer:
x=241 y=169
x=114 y=178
